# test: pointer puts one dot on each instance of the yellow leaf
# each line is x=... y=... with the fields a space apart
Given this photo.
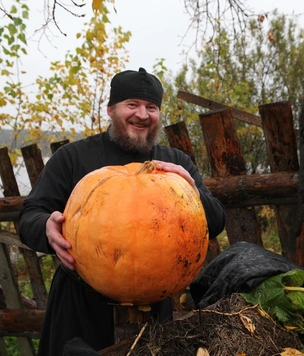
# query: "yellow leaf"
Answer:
x=144 y=308
x=247 y=322
x=290 y=328
x=291 y=352
x=202 y=352
x=97 y=5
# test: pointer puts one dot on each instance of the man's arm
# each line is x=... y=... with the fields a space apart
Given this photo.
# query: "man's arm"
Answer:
x=49 y=194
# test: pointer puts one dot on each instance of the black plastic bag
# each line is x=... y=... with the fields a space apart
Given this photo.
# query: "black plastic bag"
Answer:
x=239 y=268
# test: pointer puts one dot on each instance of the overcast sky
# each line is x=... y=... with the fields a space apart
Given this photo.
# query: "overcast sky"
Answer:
x=157 y=27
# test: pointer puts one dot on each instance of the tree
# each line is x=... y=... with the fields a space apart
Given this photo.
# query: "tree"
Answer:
x=73 y=96
x=265 y=64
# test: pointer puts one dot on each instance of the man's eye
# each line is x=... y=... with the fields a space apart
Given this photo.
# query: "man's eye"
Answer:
x=152 y=108
x=132 y=105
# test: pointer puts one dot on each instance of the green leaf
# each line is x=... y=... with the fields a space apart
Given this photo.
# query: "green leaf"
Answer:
x=5 y=72
x=17 y=21
x=22 y=38
x=13 y=9
x=6 y=51
x=282 y=297
x=25 y=14
x=12 y=29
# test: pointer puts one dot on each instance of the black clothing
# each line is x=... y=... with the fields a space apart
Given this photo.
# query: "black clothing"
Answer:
x=74 y=310
x=62 y=172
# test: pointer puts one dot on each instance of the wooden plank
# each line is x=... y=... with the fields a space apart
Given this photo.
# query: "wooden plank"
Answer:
x=277 y=122
x=33 y=161
x=213 y=105
x=34 y=165
x=30 y=257
x=225 y=157
x=9 y=183
x=55 y=145
x=7 y=281
x=299 y=228
x=119 y=349
x=178 y=137
x=10 y=238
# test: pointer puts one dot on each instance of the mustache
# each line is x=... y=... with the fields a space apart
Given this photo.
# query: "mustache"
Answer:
x=142 y=123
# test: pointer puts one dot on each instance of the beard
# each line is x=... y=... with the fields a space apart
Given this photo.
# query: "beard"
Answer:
x=139 y=144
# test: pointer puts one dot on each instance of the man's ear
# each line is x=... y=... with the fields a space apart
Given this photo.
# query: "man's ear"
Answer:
x=109 y=111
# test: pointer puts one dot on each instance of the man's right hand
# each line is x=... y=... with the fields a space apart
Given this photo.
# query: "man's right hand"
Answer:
x=57 y=241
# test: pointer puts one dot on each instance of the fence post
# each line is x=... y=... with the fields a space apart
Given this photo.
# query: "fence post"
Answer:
x=178 y=137
x=277 y=123
x=8 y=283
x=300 y=220
x=225 y=156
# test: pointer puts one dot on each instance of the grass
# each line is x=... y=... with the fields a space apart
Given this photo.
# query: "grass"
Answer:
x=47 y=269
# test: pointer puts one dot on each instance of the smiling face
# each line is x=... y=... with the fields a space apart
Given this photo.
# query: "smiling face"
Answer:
x=135 y=124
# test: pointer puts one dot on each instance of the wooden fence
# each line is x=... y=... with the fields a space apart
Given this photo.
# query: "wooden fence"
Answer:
x=239 y=192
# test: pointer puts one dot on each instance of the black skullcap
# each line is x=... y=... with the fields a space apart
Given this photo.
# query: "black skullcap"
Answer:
x=131 y=84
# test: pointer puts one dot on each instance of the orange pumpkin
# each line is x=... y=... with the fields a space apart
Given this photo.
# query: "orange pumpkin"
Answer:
x=138 y=234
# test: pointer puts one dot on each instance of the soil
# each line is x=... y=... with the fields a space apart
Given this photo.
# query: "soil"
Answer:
x=230 y=327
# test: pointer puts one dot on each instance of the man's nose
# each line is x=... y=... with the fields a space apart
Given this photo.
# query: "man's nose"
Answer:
x=142 y=112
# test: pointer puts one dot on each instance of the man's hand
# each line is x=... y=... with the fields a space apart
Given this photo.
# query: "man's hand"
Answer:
x=174 y=168
x=57 y=241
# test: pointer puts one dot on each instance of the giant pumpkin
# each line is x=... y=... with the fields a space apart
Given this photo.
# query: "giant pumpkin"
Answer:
x=138 y=234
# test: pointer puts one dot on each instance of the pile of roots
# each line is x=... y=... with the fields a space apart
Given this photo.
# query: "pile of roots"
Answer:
x=229 y=327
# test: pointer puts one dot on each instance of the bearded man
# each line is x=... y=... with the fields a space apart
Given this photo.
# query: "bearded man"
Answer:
x=74 y=309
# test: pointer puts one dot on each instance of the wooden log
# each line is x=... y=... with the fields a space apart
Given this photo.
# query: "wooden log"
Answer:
x=277 y=122
x=233 y=191
x=11 y=204
x=225 y=157
x=10 y=207
x=17 y=321
x=178 y=137
x=255 y=189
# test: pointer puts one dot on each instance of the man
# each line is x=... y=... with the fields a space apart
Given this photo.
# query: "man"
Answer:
x=75 y=309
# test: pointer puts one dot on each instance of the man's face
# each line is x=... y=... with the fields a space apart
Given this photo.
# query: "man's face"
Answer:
x=135 y=124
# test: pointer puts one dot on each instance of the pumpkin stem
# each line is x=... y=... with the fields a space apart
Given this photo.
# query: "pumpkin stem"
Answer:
x=146 y=167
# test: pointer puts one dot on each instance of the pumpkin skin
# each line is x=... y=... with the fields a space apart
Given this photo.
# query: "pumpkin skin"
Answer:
x=137 y=236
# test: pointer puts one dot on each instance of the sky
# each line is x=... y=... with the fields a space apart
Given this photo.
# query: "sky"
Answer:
x=158 y=31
